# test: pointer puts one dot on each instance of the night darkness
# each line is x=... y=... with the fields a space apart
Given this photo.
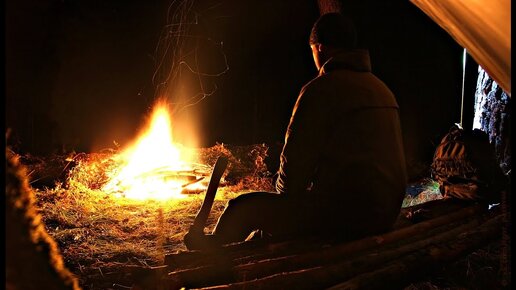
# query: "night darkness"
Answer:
x=79 y=74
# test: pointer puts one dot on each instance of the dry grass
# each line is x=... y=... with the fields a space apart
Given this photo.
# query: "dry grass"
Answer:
x=102 y=236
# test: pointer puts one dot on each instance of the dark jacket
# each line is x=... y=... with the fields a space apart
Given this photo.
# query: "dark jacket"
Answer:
x=344 y=143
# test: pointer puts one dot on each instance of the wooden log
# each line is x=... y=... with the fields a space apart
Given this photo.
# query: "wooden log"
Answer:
x=326 y=275
x=192 y=259
x=247 y=252
x=345 y=251
x=242 y=250
x=430 y=210
x=195 y=277
x=408 y=269
x=222 y=268
x=395 y=235
x=219 y=273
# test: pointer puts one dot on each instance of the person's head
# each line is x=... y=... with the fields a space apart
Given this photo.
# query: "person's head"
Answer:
x=331 y=34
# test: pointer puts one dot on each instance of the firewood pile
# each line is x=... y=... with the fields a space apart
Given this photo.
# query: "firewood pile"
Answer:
x=425 y=237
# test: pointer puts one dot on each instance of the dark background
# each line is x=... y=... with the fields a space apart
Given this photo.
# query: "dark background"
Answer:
x=79 y=74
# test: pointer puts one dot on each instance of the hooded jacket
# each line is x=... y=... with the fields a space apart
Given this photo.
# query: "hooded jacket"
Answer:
x=343 y=146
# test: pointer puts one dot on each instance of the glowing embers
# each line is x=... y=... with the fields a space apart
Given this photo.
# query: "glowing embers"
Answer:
x=155 y=167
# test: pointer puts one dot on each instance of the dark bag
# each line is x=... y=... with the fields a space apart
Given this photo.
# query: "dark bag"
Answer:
x=465 y=166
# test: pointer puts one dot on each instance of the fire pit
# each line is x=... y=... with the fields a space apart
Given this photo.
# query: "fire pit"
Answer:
x=126 y=208
x=155 y=167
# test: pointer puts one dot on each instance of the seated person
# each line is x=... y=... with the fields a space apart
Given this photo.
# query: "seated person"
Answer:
x=342 y=169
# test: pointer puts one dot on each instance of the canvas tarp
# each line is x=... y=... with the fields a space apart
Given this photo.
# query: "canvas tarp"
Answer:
x=482 y=27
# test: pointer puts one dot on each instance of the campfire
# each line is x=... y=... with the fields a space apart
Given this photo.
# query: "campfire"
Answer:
x=155 y=167
x=117 y=209
x=120 y=209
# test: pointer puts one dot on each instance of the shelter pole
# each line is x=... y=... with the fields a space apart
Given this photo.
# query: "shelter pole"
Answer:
x=464 y=56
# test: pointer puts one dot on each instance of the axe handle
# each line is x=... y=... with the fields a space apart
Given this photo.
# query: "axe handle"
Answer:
x=202 y=215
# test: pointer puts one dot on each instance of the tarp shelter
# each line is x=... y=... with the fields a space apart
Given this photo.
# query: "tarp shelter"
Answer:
x=482 y=27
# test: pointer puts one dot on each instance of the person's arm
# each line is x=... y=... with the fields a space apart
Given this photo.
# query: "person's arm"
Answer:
x=306 y=135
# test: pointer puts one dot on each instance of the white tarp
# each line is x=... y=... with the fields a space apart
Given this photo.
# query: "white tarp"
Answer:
x=483 y=27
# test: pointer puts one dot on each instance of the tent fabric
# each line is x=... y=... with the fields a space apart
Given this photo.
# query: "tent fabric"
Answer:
x=482 y=27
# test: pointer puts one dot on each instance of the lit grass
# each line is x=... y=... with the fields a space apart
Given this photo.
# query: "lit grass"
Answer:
x=99 y=233
x=104 y=226
x=101 y=236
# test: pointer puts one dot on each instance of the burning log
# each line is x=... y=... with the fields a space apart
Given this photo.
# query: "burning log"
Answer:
x=192 y=182
x=223 y=267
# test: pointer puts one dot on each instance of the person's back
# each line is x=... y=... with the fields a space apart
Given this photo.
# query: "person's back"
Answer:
x=345 y=138
x=361 y=173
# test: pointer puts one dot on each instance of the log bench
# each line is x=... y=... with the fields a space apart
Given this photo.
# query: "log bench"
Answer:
x=424 y=237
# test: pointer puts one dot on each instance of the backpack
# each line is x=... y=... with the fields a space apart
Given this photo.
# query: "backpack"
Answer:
x=465 y=166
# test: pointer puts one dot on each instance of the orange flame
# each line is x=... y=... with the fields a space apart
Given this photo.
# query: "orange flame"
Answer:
x=153 y=166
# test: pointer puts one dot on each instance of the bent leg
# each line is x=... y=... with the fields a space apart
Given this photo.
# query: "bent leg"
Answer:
x=248 y=212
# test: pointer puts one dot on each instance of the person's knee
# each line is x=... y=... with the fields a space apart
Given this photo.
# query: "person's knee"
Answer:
x=252 y=198
x=237 y=202
x=232 y=202
x=249 y=208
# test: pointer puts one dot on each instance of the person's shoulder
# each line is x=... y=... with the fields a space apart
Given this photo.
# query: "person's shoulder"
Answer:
x=317 y=84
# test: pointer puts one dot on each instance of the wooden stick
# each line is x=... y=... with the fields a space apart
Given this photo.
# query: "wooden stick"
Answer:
x=202 y=215
x=192 y=182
